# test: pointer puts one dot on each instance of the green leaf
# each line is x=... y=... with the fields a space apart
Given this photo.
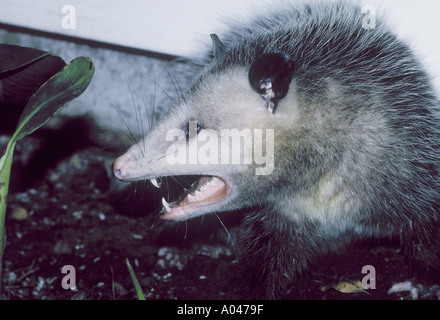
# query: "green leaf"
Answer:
x=64 y=86
x=136 y=284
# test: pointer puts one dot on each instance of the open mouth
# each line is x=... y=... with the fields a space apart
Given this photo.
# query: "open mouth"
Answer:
x=205 y=191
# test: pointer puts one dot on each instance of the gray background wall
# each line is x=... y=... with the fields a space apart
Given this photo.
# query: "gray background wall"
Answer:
x=122 y=80
x=133 y=76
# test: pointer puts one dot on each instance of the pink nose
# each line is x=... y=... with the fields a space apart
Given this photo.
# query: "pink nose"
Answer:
x=117 y=166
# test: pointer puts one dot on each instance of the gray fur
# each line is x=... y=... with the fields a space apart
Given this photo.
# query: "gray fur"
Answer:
x=357 y=142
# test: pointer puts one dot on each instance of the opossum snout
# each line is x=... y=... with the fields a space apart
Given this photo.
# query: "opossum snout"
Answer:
x=132 y=167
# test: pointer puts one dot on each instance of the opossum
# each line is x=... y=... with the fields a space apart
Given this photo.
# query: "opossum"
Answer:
x=322 y=129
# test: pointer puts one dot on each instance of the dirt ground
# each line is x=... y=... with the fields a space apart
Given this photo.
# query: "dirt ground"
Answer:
x=65 y=208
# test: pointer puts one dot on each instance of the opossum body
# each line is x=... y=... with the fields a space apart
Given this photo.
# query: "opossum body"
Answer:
x=355 y=126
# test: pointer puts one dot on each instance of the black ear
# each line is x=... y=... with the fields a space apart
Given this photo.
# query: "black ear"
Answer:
x=270 y=76
x=218 y=47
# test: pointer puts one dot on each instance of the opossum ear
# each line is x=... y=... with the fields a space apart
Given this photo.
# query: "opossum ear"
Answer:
x=218 y=47
x=270 y=76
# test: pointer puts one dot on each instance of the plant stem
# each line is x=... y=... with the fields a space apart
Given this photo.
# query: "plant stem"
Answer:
x=5 y=171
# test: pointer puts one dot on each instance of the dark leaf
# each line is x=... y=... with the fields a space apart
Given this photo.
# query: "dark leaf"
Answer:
x=23 y=70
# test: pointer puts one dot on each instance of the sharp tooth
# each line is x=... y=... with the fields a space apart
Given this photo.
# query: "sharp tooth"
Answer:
x=166 y=205
x=190 y=198
x=154 y=183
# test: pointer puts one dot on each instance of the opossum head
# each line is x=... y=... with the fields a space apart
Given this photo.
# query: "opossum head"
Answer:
x=227 y=130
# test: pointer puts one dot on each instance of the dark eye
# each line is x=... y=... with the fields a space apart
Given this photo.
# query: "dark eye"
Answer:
x=270 y=76
x=192 y=129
